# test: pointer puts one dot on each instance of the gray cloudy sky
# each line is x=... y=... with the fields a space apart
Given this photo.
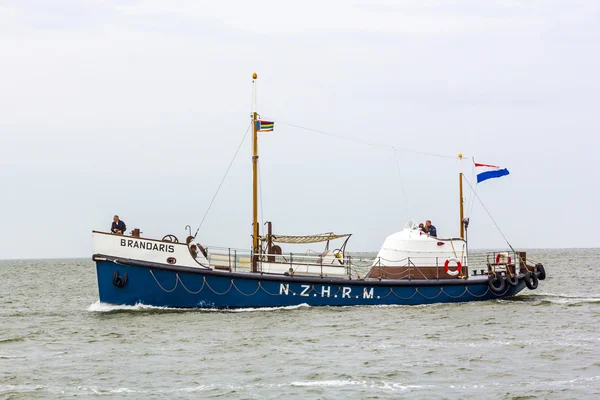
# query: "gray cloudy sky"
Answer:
x=136 y=108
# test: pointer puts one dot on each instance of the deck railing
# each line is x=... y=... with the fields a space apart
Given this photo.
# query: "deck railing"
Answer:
x=240 y=259
x=479 y=263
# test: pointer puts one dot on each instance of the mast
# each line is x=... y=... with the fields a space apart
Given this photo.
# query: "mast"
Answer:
x=255 y=241
x=460 y=194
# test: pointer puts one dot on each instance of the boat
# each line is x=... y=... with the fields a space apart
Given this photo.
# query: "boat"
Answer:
x=412 y=267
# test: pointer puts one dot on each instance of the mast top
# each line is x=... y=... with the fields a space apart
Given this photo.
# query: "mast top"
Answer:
x=459 y=154
x=254 y=76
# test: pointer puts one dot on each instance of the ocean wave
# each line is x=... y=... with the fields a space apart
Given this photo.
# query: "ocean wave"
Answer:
x=7 y=389
x=554 y=298
x=12 y=339
x=562 y=295
x=348 y=382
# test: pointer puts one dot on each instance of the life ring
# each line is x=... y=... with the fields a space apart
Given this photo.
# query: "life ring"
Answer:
x=458 y=266
x=501 y=256
x=496 y=283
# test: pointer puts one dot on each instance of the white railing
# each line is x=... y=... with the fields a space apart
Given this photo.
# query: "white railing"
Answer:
x=234 y=259
x=321 y=264
x=240 y=259
x=229 y=258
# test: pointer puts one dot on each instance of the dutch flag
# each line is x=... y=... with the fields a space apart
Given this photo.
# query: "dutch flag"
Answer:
x=486 y=171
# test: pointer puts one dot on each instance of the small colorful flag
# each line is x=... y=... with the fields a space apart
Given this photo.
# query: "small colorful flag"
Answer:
x=264 y=126
x=486 y=171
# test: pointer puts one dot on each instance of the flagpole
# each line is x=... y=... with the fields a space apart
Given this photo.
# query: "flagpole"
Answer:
x=460 y=194
x=255 y=238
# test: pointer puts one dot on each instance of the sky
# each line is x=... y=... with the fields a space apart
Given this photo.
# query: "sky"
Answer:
x=136 y=108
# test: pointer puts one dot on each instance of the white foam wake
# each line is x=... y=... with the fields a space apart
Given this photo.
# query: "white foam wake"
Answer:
x=366 y=384
x=561 y=298
x=107 y=307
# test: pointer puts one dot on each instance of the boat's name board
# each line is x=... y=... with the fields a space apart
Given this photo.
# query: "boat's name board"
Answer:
x=326 y=291
x=138 y=244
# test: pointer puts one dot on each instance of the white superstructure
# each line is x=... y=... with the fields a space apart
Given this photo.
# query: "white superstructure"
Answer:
x=413 y=247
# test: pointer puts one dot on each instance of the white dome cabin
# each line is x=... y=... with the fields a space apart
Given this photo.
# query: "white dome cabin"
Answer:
x=413 y=254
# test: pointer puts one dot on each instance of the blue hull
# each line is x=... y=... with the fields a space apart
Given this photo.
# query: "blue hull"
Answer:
x=170 y=286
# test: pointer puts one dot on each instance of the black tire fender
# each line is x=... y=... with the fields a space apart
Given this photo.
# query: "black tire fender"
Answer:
x=531 y=280
x=540 y=271
x=496 y=283
x=119 y=281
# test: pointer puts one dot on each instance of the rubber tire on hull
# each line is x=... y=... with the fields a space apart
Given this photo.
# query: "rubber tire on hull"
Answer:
x=119 y=281
x=496 y=283
x=531 y=281
x=513 y=280
x=540 y=271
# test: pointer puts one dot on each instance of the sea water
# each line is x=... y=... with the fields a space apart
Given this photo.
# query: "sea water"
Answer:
x=58 y=341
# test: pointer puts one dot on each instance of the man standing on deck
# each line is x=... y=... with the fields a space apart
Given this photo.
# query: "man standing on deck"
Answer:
x=430 y=229
x=118 y=227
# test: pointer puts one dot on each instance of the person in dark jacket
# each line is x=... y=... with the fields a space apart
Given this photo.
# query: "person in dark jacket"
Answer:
x=430 y=229
x=118 y=227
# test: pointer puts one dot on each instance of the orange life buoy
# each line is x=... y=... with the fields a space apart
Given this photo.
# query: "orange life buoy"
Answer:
x=500 y=256
x=458 y=266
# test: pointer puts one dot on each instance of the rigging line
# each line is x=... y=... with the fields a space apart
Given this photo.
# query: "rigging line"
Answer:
x=490 y=215
x=223 y=180
x=401 y=184
x=366 y=142
x=471 y=202
x=473 y=177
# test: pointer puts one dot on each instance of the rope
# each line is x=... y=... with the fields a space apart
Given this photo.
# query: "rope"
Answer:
x=161 y=286
x=471 y=201
x=222 y=180
x=455 y=297
x=404 y=298
x=453 y=249
x=269 y=293
x=366 y=142
x=474 y=295
x=355 y=271
x=188 y=290
x=523 y=263
x=312 y=289
x=490 y=215
x=429 y=298
x=219 y=293
x=245 y=294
